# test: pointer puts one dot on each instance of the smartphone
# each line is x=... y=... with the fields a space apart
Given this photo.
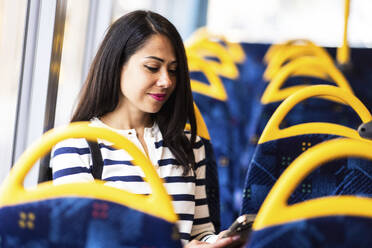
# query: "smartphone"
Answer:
x=242 y=226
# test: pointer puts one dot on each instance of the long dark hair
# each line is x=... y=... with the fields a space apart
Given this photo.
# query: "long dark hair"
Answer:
x=100 y=93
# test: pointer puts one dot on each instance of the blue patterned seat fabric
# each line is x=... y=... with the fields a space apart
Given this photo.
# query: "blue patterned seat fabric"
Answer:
x=360 y=74
x=80 y=222
x=349 y=176
x=326 y=232
x=338 y=177
x=309 y=110
x=358 y=178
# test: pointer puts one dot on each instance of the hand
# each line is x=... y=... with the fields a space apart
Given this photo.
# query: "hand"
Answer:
x=220 y=243
x=222 y=233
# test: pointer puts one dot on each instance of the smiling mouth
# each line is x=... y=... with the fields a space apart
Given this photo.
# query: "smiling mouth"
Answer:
x=158 y=97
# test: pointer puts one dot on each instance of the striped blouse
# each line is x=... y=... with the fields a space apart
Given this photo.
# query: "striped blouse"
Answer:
x=71 y=162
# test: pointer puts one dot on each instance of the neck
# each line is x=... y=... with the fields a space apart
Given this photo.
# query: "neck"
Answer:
x=123 y=118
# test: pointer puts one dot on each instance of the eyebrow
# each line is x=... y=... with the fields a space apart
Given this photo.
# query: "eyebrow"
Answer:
x=159 y=59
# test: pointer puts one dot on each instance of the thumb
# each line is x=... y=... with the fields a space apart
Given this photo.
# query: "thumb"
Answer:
x=220 y=243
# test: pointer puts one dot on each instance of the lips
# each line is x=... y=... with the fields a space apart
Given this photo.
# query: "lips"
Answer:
x=158 y=97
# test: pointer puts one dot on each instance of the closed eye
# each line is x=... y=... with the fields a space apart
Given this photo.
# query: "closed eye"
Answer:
x=152 y=69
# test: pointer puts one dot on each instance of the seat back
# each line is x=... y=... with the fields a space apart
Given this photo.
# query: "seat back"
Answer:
x=308 y=111
x=284 y=82
x=84 y=214
x=342 y=221
x=274 y=92
x=290 y=53
x=275 y=49
x=277 y=148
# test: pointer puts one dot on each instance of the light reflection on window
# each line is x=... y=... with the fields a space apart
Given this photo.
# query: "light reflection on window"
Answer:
x=70 y=78
x=122 y=7
x=12 y=24
x=272 y=21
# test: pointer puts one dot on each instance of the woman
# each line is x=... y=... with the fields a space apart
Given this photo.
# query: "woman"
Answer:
x=139 y=86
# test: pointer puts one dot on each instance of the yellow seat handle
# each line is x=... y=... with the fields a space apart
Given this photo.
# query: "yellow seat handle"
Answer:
x=214 y=87
x=272 y=131
x=13 y=192
x=234 y=49
x=275 y=210
x=226 y=67
x=343 y=52
x=295 y=52
x=273 y=92
x=274 y=49
x=202 y=130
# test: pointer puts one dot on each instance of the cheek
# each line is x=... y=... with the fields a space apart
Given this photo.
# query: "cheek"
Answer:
x=124 y=89
x=133 y=84
x=130 y=91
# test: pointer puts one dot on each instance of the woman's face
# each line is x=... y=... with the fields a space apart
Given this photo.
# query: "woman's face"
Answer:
x=148 y=78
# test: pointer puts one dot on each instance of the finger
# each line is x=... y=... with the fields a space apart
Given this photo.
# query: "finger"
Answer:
x=197 y=244
x=222 y=233
x=194 y=243
x=225 y=241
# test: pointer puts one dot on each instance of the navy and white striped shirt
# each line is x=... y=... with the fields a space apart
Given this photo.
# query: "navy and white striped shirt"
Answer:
x=71 y=162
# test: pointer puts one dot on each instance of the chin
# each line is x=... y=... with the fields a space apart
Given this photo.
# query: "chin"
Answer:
x=152 y=110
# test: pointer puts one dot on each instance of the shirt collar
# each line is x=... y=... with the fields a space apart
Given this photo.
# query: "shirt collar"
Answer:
x=153 y=131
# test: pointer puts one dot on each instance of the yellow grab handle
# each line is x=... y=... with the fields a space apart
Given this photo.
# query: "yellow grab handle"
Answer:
x=226 y=67
x=274 y=49
x=13 y=192
x=215 y=88
x=343 y=52
x=202 y=129
x=273 y=92
x=275 y=210
x=234 y=49
x=294 y=52
x=272 y=131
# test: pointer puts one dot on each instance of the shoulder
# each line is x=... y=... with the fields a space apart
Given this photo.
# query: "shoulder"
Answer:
x=79 y=146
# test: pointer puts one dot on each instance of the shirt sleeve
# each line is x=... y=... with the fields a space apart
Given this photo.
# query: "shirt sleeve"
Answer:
x=202 y=228
x=71 y=162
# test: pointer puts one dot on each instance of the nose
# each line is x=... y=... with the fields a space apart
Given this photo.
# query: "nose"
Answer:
x=165 y=80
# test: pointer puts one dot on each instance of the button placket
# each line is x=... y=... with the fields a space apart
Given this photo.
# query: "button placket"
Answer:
x=156 y=152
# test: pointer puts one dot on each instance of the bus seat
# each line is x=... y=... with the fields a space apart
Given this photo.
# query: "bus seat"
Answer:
x=277 y=148
x=286 y=83
x=86 y=214
x=336 y=113
x=333 y=221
